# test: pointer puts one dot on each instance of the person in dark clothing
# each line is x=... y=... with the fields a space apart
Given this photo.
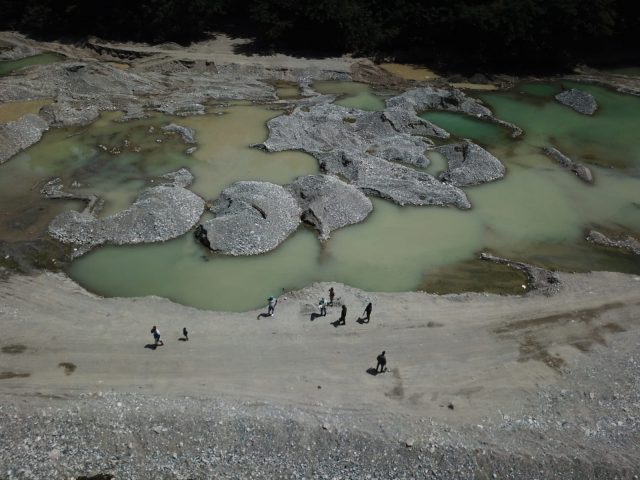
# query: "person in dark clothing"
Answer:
x=382 y=362
x=185 y=334
x=367 y=312
x=343 y=316
x=332 y=294
x=201 y=235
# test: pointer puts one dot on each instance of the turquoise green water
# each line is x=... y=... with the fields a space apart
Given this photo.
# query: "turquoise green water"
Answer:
x=9 y=66
x=352 y=94
x=537 y=213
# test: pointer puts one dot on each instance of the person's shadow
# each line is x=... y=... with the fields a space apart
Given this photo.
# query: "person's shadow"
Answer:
x=362 y=320
x=337 y=323
x=314 y=315
x=372 y=371
x=151 y=346
x=262 y=315
x=183 y=339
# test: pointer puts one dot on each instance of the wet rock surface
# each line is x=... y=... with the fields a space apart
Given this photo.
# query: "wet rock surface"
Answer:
x=158 y=214
x=538 y=279
x=328 y=203
x=626 y=242
x=581 y=102
x=581 y=171
x=252 y=218
x=469 y=164
x=18 y=135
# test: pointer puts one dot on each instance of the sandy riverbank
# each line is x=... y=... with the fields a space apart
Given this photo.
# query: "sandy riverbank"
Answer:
x=494 y=359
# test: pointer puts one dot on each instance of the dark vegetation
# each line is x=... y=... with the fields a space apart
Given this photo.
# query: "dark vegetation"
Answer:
x=466 y=35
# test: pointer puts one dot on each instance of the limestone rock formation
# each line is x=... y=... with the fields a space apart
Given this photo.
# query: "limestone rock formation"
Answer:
x=581 y=102
x=328 y=203
x=252 y=218
x=469 y=164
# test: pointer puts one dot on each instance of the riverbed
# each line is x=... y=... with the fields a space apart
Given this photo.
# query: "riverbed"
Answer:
x=538 y=213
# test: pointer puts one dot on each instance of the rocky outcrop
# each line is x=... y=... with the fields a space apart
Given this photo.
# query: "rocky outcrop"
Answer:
x=450 y=100
x=391 y=181
x=581 y=102
x=18 y=135
x=539 y=279
x=469 y=164
x=581 y=171
x=158 y=214
x=367 y=149
x=252 y=218
x=626 y=242
x=326 y=127
x=328 y=203
x=187 y=134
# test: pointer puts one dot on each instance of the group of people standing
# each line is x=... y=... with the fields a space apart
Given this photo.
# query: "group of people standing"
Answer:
x=322 y=305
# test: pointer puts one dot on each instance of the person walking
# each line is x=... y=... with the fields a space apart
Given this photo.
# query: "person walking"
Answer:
x=156 y=336
x=367 y=312
x=272 y=306
x=185 y=334
x=343 y=316
x=332 y=294
x=322 y=305
x=382 y=362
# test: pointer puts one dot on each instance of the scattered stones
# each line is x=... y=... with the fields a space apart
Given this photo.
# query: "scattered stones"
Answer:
x=581 y=171
x=18 y=135
x=581 y=102
x=328 y=203
x=252 y=218
x=469 y=164
x=626 y=242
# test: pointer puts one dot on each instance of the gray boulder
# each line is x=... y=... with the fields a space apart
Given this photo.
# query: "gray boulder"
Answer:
x=469 y=164
x=392 y=181
x=158 y=214
x=18 y=135
x=581 y=171
x=328 y=203
x=581 y=102
x=252 y=218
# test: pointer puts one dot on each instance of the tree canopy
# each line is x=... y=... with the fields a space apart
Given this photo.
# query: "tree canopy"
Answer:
x=506 y=35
